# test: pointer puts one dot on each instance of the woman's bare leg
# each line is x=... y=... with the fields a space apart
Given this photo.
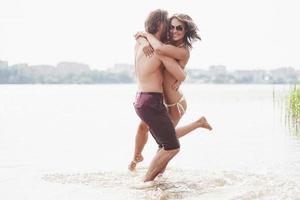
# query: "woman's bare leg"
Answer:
x=200 y=123
x=183 y=130
x=140 y=142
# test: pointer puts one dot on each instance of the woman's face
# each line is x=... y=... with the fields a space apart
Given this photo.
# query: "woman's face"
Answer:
x=177 y=30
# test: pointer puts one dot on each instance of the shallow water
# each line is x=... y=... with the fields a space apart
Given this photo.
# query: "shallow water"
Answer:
x=75 y=141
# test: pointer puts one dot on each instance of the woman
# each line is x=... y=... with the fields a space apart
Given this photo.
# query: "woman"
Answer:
x=182 y=32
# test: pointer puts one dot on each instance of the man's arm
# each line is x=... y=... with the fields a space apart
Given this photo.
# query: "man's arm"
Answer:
x=173 y=67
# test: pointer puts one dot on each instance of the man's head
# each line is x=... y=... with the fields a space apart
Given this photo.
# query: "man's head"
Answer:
x=157 y=23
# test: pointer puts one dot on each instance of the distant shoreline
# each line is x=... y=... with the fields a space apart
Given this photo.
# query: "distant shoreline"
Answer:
x=77 y=73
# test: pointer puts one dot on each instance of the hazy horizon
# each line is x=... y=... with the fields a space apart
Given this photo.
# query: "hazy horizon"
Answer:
x=228 y=68
x=237 y=34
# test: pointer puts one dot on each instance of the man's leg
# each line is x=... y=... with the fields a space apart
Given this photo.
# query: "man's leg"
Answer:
x=159 y=163
x=184 y=130
x=152 y=111
x=140 y=142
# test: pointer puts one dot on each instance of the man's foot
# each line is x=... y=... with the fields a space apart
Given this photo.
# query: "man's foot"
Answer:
x=203 y=123
x=133 y=163
x=160 y=177
x=144 y=185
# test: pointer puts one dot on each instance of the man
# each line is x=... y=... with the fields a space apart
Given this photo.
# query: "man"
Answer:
x=149 y=100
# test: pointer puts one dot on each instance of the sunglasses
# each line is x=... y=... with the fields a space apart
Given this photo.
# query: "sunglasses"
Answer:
x=178 y=28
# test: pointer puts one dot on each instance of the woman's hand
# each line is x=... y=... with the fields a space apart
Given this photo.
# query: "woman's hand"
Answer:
x=176 y=85
x=147 y=48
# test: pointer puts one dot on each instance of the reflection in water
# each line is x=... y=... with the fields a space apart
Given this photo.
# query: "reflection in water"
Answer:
x=187 y=184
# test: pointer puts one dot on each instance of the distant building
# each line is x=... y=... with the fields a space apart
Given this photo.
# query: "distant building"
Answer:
x=71 y=68
x=19 y=66
x=3 y=64
x=250 y=76
x=283 y=75
x=217 y=70
x=197 y=76
x=123 y=68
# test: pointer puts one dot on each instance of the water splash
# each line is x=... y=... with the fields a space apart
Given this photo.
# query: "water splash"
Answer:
x=187 y=184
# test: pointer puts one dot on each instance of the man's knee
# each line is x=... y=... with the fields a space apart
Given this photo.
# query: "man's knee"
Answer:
x=173 y=151
x=172 y=145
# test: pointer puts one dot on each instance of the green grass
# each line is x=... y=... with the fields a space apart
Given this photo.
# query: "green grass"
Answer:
x=294 y=103
x=293 y=111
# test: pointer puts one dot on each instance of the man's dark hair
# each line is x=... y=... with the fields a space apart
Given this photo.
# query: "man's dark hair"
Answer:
x=154 y=19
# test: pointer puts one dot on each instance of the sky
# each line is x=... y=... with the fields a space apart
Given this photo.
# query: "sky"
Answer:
x=240 y=34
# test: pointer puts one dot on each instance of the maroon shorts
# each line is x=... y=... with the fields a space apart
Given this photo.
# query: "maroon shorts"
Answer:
x=150 y=108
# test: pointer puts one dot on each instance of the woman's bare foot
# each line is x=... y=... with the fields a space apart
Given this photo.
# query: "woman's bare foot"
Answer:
x=133 y=163
x=203 y=123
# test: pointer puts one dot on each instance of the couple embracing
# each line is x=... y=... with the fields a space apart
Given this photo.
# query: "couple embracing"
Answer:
x=161 y=54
